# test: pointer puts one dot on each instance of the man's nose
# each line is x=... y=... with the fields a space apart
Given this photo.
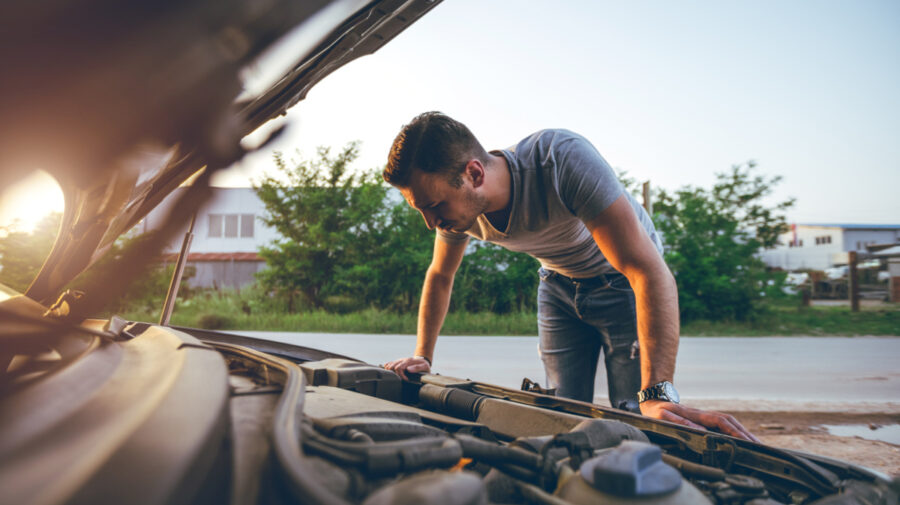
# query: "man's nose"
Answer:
x=431 y=219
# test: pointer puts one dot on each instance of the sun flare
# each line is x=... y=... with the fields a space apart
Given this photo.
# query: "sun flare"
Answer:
x=25 y=203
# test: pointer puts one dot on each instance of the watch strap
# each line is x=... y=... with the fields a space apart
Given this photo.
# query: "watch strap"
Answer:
x=659 y=391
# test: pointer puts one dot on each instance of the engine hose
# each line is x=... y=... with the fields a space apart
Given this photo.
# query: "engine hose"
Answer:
x=381 y=431
x=355 y=435
x=489 y=453
x=386 y=458
x=451 y=401
x=359 y=448
x=333 y=453
x=413 y=458
x=391 y=458
x=694 y=469
x=518 y=472
x=286 y=438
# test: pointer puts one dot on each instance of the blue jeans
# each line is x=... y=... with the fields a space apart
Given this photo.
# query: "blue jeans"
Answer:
x=577 y=318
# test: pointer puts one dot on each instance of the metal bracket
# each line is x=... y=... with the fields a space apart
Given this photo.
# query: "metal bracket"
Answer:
x=530 y=386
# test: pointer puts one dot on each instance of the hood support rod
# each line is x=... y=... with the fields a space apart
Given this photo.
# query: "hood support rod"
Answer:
x=169 y=306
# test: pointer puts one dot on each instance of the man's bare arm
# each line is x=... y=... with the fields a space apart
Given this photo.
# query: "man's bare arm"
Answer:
x=433 y=306
x=629 y=249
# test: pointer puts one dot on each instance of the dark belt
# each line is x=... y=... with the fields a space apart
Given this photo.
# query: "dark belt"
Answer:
x=602 y=278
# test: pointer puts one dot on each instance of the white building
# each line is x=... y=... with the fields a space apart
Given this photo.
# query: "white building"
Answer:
x=228 y=233
x=820 y=246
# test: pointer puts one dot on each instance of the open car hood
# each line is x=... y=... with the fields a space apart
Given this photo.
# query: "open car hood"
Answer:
x=123 y=102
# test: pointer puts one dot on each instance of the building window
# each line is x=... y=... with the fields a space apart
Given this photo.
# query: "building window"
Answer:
x=231 y=225
x=247 y=225
x=215 y=225
x=824 y=239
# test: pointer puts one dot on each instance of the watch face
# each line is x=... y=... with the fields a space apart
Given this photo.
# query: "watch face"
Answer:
x=670 y=391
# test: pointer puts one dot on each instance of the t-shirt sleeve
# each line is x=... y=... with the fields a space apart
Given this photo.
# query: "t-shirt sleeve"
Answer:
x=587 y=184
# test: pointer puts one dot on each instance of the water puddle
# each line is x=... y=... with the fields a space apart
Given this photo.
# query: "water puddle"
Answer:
x=889 y=433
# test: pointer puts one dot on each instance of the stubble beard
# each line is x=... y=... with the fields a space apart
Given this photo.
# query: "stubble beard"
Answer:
x=475 y=204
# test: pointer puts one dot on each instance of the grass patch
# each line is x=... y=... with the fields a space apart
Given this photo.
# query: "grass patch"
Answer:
x=235 y=311
x=789 y=320
x=366 y=321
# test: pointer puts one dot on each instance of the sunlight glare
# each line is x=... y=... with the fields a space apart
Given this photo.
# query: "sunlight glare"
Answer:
x=24 y=204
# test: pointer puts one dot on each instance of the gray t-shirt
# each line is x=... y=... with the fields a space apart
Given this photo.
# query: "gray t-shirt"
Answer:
x=559 y=182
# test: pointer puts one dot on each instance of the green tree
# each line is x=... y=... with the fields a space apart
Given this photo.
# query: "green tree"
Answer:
x=330 y=219
x=405 y=253
x=712 y=237
x=23 y=253
x=495 y=279
x=146 y=291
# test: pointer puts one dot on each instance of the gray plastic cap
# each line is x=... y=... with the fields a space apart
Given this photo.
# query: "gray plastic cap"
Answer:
x=632 y=469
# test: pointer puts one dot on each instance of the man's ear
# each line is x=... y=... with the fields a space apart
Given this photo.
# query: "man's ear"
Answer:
x=475 y=172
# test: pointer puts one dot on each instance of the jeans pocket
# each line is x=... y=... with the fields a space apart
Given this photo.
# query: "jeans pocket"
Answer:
x=618 y=282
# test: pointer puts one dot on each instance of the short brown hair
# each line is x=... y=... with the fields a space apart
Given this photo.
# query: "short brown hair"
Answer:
x=434 y=143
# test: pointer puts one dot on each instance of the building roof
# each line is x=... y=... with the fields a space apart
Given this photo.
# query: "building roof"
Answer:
x=890 y=251
x=854 y=226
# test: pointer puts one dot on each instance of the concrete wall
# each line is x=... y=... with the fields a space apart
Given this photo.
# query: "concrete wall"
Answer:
x=808 y=253
x=856 y=240
x=225 y=202
x=224 y=274
x=230 y=204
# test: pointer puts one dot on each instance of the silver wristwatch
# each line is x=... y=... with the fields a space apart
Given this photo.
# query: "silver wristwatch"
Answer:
x=664 y=391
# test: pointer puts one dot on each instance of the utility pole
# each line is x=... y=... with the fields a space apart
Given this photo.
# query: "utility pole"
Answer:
x=648 y=203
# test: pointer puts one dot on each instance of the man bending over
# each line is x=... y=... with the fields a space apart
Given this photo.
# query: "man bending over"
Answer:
x=604 y=285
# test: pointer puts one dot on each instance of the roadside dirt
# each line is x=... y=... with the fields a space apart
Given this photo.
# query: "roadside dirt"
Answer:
x=804 y=431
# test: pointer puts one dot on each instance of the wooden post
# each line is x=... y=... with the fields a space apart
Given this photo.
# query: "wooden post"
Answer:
x=648 y=203
x=894 y=282
x=854 y=282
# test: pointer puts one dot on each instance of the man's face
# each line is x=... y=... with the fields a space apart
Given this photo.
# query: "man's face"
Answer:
x=441 y=204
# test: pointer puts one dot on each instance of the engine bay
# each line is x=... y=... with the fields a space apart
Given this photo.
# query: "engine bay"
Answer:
x=378 y=439
x=141 y=413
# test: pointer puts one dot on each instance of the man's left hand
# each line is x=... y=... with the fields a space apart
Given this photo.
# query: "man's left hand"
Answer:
x=696 y=418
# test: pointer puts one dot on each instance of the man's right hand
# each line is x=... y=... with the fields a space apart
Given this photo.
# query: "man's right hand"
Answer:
x=412 y=365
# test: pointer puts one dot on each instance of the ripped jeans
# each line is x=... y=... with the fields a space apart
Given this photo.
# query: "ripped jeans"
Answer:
x=577 y=318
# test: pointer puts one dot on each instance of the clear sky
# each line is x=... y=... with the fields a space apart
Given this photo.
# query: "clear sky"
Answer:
x=668 y=91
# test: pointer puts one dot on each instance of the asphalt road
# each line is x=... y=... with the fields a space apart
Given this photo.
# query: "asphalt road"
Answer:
x=756 y=373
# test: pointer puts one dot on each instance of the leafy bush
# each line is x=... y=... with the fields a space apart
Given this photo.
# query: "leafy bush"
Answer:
x=329 y=219
x=23 y=253
x=712 y=237
x=209 y=321
x=493 y=279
